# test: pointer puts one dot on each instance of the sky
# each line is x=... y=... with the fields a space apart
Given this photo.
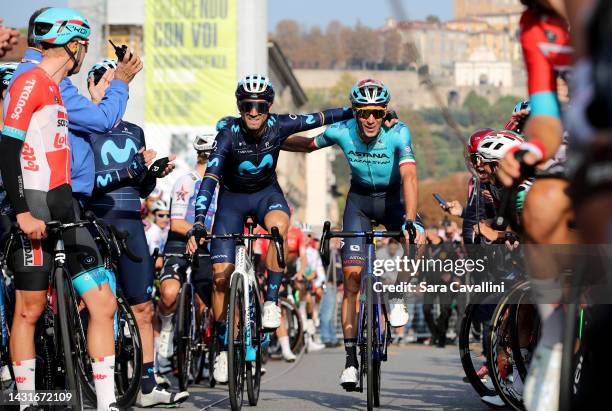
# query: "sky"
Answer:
x=310 y=12
x=372 y=13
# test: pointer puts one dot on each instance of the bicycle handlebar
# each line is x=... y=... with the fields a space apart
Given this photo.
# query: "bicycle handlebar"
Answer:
x=274 y=235
x=327 y=234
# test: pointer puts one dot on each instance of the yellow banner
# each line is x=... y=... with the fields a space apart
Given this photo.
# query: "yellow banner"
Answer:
x=190 y=61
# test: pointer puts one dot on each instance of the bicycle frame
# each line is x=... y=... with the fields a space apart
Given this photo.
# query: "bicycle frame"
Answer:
x=244 y=268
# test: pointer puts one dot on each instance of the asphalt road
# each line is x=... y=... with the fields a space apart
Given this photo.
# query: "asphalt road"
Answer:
x=416 y=377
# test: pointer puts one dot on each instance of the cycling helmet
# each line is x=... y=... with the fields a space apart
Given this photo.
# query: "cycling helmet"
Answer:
x=476 y=138
x=256 y=87
x=494 y=146
x=98 y=70
x=159 y=205
x=306 y=228
x=6 y=73
x=205 y=141
x=58 y=26
x=369 y=91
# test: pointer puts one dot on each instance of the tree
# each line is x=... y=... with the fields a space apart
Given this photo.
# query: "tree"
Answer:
x=392 y=48
x=432 y=19
x=335 y=49
x=410 y=54
x=289 y=39
x=364 y=46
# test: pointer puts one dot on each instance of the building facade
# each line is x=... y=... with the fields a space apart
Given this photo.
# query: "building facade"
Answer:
x=462 y=8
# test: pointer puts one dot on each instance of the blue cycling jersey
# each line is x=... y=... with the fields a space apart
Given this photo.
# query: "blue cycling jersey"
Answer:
x=85 y=118
x=375 y=166
x=245 y=164
x=115 y=193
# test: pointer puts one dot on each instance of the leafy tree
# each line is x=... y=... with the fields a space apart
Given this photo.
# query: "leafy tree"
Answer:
x=432 y=19
x=392 y=48
x=290 y=40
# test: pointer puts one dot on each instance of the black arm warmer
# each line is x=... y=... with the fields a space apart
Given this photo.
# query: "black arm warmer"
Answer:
x=10 y=166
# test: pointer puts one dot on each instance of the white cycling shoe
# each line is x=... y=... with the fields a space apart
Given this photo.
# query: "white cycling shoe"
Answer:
x=541 y=392
x=160 y=396
x=398 y=313
x=271 y=316
x=348 y=379
x=220 y=368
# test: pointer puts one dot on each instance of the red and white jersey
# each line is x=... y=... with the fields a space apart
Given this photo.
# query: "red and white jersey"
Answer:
x=36 y=115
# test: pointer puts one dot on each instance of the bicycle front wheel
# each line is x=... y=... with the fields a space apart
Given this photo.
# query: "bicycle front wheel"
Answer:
x=184 y=335
x=236 y=343
x=369 y=344
x=68 y=342
x=253 y=369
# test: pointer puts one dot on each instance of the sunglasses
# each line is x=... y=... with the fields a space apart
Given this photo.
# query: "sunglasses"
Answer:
x=366 y=112
x=262 y=107
x=475 y=159
x=162 y=215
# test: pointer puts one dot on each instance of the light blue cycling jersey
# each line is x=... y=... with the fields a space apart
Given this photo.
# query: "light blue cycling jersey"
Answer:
x=375 y=166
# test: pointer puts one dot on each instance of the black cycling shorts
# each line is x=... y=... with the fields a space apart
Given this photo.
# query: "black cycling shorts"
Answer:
x=176 y=267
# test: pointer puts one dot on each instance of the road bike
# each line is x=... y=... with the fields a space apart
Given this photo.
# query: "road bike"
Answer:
x=245 y=337
x=374 y=331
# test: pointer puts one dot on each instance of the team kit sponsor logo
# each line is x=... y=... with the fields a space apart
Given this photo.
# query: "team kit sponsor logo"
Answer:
x=32 y=252
x=23 y=99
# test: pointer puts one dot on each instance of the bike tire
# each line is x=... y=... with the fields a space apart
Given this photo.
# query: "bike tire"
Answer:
x=253 y=379
x=68 y=343
x=236 y=340
x=295 y=327
x=128 y=355
x=184 y=335
x=213 y=349
x=469 y=358
x=376 y=360
x=517 y=355
x=502 y=322
x=369 y=345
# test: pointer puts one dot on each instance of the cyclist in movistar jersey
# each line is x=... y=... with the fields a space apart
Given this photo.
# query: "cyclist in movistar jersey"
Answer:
x=182 y=217
x=383 y=188
x=121 y=180
x=244 y=162
x=35 y=165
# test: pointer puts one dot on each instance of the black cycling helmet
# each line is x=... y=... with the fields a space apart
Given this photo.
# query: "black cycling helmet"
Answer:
x=256 y=87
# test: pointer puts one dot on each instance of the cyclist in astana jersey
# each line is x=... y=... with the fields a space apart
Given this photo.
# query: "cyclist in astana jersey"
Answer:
x=383 y=188
x=121 y=180
x=35 y=165
x=182 y=217
x=244 y=162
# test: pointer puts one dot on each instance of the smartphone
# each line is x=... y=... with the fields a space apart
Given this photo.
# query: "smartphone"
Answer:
x=119 y=51
x=441 y=201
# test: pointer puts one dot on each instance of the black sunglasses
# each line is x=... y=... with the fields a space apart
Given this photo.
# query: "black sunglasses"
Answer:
x=365 y=113
x=246 y=106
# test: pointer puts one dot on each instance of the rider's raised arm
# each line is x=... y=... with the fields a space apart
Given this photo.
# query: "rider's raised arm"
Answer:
x=302 y=144
x=213 y=174
x=408 y=171
x=295 y=123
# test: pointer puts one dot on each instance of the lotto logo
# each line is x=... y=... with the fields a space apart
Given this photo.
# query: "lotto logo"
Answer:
x=29 y=157
x=100 y=376
x=20 y=379
x=59 y=141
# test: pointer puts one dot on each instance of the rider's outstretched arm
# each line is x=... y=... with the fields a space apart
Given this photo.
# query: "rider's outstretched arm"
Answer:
x=296 y=123
x=307 y=144
x=213 y=174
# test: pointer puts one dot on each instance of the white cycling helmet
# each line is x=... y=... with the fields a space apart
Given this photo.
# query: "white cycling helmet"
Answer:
x=494 y=146
x=205 y=141
x=160 y=205
x=255 y=86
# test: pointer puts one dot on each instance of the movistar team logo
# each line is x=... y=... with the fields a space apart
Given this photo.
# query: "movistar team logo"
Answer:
x=120 y=155
x=372 y=155
x=103 y=181
x=310 y=119
x=199 y=205
x=214 y=162
x=247 y=166
x=235 y=128
x=273 y=206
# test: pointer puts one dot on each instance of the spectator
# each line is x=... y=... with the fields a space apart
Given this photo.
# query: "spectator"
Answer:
x=9 y=37
x=158 y=231
x=147 y=208
x=329 y=308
